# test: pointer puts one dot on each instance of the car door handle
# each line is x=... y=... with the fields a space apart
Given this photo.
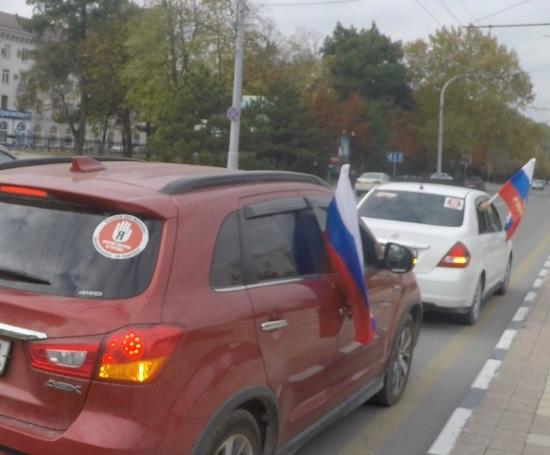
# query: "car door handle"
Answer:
x=271 y=326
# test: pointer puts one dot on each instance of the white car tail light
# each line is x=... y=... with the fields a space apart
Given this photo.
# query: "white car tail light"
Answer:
x=457 y=257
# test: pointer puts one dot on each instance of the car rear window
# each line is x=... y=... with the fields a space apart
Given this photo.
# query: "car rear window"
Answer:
x=52 y=251
x=414 y=207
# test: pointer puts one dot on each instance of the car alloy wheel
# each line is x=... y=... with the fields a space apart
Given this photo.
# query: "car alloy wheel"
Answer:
x=402 y=360
x=235 y=444
x=503 y=289
x=472 y=315
x=399 y=365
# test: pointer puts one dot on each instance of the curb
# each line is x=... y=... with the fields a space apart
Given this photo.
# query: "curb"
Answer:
x=445 y=441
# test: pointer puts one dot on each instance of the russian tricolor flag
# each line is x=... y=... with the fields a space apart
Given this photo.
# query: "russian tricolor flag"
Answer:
x=346 y=254
x=514 y=193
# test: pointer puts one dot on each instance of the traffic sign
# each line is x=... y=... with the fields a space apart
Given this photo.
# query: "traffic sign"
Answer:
x=233 y=114
x=394 y=157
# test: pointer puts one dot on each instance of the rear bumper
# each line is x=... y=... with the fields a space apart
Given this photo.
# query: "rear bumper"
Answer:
x=447 y=288
x=103 y=434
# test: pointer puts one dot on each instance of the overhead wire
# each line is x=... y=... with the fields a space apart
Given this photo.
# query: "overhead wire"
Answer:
x=446 y=7
x=428 y=12
x=466 y=8
x=515 y=5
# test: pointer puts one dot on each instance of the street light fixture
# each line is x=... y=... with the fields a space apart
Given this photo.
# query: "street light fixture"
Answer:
x=440 y=123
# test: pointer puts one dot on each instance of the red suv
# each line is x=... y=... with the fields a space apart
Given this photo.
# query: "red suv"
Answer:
x=171 y=309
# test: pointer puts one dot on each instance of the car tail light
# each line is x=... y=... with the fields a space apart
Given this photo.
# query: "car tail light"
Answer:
x=132 y=354
x=137 y=354
x=458 y=257
x=23 y=191
x=70 y=357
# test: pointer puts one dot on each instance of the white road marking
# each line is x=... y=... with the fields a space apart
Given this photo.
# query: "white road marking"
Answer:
x=538 y=283
x=520 y=314
x=543 y=272
x=506 y=339
x=530 y=297
x=447 y=438
x=486 y=374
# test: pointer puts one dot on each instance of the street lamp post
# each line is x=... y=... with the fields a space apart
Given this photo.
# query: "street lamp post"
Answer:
x=440 y=123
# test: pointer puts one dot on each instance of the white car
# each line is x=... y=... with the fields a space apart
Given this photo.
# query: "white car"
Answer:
x=537 y=184
x=461 y=248
x=369 y=180
x=442 y=176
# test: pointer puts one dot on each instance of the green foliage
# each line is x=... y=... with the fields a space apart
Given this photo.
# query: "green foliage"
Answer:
x=480 y=115
x=61 y=71
x=192 y=126
x=368 y=61
x=277 y=133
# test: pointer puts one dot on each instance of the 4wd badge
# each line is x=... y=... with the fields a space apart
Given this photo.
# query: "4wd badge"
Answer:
x=120 y=237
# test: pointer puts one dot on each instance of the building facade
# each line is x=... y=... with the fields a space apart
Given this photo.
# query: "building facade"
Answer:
x=36 y=128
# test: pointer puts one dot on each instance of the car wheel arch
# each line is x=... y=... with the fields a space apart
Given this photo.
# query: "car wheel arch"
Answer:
x=258 y=401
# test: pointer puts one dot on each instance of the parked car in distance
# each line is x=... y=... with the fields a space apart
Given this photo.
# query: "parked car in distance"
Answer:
x=441 y=176
x=153 y=308
x=368 y=180
x=537 y=184
x=461 y=247
x=5 y=155
x=475 y=182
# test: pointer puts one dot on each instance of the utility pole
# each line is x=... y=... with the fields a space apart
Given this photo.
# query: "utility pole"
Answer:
x=234 y=112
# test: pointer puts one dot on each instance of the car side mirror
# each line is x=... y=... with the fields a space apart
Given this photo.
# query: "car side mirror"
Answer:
x=398 y=258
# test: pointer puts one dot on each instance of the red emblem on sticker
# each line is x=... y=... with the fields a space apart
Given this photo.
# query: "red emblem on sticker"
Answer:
x=120 y=237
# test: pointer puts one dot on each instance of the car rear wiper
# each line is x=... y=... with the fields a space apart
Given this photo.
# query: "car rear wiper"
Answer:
x=16 y=275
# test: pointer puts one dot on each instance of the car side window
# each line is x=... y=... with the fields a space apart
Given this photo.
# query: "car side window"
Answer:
x=226 y=269
x=494 y=219
x=285 y=245
x=369 y=244
x=482 y=218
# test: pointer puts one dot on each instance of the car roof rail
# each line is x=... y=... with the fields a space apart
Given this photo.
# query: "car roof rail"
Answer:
x=194 y=183
x=25 y=162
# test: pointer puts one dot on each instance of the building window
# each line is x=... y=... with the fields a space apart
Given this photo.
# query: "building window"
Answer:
x=6 y=76
x=3 y=125
x=4 y=101
x=5 y=51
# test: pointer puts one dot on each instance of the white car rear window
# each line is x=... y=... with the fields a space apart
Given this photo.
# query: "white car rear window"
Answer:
x=414 y=207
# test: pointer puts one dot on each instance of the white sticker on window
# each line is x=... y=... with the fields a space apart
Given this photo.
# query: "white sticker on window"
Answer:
x=120 y=237
x=453 y=203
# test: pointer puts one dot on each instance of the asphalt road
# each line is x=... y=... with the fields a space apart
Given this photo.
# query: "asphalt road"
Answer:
x=447 y=359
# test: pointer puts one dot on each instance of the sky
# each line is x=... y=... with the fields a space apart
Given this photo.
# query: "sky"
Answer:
x=407 y=20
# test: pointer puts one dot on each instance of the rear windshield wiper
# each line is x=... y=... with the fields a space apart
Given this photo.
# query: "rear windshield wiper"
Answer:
x=16 y=275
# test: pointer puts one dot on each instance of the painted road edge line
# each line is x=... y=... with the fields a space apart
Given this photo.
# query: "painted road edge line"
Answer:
x=446 y=440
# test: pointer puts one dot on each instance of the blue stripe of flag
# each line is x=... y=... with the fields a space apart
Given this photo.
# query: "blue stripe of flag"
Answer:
x=520 y=182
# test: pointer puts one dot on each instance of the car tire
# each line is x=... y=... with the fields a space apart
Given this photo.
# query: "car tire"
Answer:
x=399 y=367
x=471 y=317
x=236 y=434
x=503 y=289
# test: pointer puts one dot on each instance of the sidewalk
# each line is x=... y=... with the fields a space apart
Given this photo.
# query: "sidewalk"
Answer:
x=512 y=412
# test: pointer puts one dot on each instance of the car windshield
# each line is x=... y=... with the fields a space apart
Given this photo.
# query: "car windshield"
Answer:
x=51 y=251
x=414 y=207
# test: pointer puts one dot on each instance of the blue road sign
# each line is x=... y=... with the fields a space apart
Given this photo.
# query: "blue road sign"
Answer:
x=394 y=157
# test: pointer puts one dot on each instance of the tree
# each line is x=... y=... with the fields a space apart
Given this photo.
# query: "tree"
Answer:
x=60 y=70
x=481 y=118
x=192 y=125
x=278 y=133
x=369 y=62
